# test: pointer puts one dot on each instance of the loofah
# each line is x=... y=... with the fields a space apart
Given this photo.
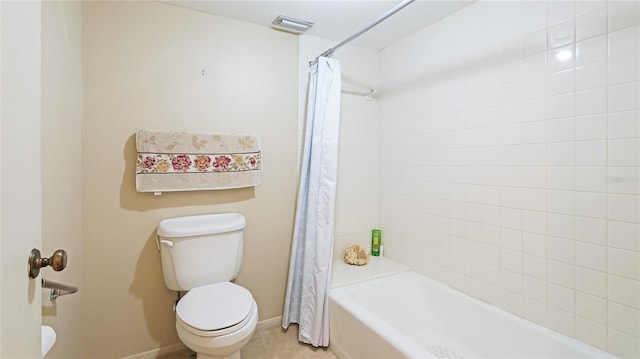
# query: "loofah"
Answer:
x=355 y=255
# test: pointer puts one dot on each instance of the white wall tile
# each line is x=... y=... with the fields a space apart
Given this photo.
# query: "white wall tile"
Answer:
x=560 y=177
x=561 y=321
x=511 y=218
x=511 y=134
x=562 y=58
x=591 y=307
x=534 y=222
x=534 y=88
x=536 y=16
x=623 y=14
x=591 y=127
x=591 y=230
x=511 y=239
x=562 y=106
x=534 y=266
x=560 y=153
x=558 y=11
x=511 y=71
x=624 y=291
x=511 y=281
x=592 y=179
x=624 y=42
x=594 y=75
x=624 y=263
x=534 y=132
x=491 y=234
x=624 y=207
x=534 y=199
x=562 y=298
x=622 y=345
x=624 y=152
x=624 y=124
x=591 y=256
x=560 y=225
x=534 y=288
x=624 y=180
x=591 y=281
x=592 y=333
x=591 y=24
x=624 y=318
x=534 y=311
x=583 y=7
x=591 y=50
x=561 y=274
x=561 y=82
x=624 y=235
x=511 y=260
x=624 y=97
x=534 y=154
x=534 y=65
x=511 y=176
x=561 y=34
x=561 y=202
x=561 y=249
x=534 y=43
x=591 y=153
x=491 y=274
x=624 y=69
x=591 y=102
x=591 y=204
x=491 y=255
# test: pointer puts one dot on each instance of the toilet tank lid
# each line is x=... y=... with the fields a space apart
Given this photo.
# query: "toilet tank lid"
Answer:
x=200 y=225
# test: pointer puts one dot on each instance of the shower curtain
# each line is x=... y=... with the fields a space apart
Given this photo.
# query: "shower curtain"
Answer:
x=307 y=298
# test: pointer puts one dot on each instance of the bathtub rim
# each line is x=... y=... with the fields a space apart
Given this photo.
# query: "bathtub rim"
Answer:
x=342 y=297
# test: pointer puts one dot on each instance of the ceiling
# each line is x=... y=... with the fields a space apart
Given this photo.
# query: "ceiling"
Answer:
x=335 y=20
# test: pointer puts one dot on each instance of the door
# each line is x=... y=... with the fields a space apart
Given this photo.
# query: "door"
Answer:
x=20 y=176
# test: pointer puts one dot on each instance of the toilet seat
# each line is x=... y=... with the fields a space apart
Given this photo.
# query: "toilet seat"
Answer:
x=216 y=309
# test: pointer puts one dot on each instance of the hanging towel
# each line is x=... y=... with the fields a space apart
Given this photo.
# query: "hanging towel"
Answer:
x=188 y=161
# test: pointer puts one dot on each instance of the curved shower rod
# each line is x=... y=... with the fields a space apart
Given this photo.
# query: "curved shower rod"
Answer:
x=395 y=9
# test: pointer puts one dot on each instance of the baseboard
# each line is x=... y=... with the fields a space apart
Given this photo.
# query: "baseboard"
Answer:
x=338 y=351
x=269 y=323
x=154 y=353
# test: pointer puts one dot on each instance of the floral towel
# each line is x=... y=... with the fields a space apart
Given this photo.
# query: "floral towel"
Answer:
x=186 y=161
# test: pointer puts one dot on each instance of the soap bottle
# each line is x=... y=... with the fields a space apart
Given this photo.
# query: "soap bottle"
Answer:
x=376 y=241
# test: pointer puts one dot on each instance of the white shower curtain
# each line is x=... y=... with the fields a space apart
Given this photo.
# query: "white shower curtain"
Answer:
x=307 y=299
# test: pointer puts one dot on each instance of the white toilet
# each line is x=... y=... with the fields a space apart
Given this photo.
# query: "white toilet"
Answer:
x=201 y=255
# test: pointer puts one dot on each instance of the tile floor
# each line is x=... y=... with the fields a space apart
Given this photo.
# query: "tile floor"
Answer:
x=270 y=343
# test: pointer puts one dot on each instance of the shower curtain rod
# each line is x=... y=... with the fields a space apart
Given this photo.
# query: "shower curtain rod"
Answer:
x=395 y=9
x=362 y=91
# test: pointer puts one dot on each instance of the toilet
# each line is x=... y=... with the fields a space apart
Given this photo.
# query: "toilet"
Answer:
x=201 y=255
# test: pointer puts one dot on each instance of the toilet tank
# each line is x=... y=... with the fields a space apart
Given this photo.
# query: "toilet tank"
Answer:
x=200 y=250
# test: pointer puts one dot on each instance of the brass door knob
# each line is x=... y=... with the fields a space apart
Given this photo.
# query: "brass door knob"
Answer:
x=58 y=261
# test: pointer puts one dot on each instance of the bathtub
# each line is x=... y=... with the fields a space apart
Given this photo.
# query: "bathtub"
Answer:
x=397 y=313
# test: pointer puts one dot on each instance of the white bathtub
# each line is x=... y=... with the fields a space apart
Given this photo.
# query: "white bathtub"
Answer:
x=407 y=315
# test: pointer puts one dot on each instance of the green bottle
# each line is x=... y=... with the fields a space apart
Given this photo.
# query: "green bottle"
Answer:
x=376 y=241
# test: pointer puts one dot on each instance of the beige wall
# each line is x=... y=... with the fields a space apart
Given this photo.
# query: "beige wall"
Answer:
x=143 y=66
x=61 y=180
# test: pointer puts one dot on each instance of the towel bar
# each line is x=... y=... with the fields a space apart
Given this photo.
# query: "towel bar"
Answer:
x=58 y=289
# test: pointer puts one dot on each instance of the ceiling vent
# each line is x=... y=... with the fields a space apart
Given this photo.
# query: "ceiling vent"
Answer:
x=291 y=25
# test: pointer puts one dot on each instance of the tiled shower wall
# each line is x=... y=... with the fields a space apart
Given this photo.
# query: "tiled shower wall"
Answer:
x=509 y=155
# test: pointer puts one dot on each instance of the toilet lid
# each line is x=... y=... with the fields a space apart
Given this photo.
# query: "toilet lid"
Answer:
x=216 y=306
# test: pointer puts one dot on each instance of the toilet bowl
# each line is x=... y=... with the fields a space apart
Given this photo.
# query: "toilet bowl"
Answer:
x=201 y=255
x=216 y=320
